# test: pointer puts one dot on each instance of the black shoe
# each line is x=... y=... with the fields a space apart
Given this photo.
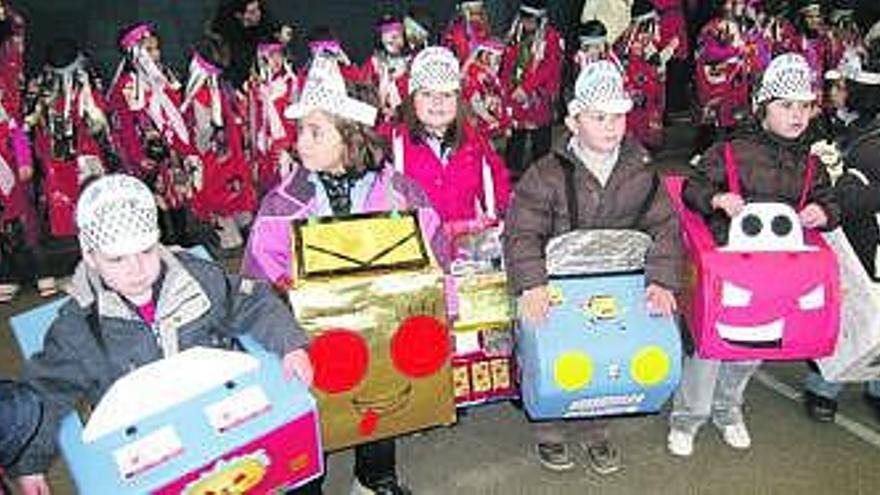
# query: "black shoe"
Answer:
x=821 y=409
x=554 y=456
x=387 y=486
x=604 y=458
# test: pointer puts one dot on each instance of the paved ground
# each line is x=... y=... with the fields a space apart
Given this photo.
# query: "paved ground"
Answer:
x=488 y=451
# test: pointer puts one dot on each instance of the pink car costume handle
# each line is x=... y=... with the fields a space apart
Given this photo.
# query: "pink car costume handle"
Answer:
x=732 y=172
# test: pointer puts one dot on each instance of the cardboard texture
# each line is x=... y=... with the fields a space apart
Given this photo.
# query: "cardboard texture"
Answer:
x=372 y=299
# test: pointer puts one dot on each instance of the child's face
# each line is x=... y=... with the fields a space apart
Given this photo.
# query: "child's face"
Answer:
x=152 y=48
x=593 y=52
x=837 y=94
x=436 y=110
x=132 y=275
x=788 y=118
x=320 y=145
x=392 y=41
x=599 y=132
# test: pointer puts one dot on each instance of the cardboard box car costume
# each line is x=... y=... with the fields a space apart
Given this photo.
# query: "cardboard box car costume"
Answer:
x=234 y=425
x=370 y=295
x=599 y=353
x=732 y=311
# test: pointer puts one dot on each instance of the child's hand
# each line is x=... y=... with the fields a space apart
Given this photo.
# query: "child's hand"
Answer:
x=297 y=362
x=34 y=484
x=813 y=216
x=731 y=203
x=534 y=304
x=661 y=302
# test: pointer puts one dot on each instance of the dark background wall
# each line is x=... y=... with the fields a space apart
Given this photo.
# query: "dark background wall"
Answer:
x=95 y=23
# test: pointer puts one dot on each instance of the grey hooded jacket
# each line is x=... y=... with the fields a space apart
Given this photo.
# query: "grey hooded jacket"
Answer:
x=98 y=337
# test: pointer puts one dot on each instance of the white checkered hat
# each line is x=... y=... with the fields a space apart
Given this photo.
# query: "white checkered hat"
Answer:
x=117 y=216
x=435 y=68
x=325 y=90
x=788 y=77
x=600 y=87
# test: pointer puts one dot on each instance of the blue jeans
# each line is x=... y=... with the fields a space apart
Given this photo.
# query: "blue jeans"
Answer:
x=815 y=383
x=20 y=415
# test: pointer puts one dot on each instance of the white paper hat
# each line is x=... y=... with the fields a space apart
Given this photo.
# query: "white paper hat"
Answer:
x=788 y=77
x=600 y=87
x=435 y=68
x=325 y=90
x=117 y=216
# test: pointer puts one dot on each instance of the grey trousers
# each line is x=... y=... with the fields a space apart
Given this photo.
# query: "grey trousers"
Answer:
x=710 y=389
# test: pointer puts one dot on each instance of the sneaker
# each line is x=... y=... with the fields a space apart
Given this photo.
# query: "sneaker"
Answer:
x=8 y=292
x=389 y=486
x=680 y=443
x=46 y=287
x=604 y=458
x=555 y=456
x=821 y=409
x=737 y=436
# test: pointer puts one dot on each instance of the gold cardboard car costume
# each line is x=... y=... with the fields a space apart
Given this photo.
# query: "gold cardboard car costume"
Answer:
x=372 y=298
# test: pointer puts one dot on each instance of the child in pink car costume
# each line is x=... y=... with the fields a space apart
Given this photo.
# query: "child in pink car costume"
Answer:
x=773 y=164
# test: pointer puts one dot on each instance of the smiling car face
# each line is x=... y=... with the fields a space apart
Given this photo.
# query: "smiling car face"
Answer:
x=756 y=311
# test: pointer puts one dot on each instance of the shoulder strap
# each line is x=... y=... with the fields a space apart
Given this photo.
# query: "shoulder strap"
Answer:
x=649 y=200
x=731 y=169
x=570 y=195
x=808 y=181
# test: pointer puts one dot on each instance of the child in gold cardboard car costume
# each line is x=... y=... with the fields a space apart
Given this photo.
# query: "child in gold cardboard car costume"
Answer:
x=352 y=240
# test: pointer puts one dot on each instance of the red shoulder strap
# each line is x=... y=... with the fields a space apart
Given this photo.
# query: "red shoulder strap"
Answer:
x=731 y=169
x=808 y=181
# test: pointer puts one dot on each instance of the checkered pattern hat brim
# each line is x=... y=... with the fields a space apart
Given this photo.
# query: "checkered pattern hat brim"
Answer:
x=435 y=68
x=600 y=86
x=117 y=215
x=325 y=90
x=788 y=77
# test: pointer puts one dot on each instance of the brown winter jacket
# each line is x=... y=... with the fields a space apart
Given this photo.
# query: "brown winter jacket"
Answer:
x=770 y=169
x=538 y=212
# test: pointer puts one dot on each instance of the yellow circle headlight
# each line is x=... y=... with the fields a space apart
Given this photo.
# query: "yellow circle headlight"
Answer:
x=573 y=371
x=650 y=366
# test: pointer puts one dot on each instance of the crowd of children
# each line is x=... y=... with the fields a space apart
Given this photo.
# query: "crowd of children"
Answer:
x=790 y=96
